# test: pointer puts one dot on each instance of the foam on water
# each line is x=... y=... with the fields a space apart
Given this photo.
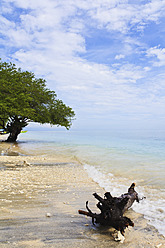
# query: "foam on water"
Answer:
x=153 y=210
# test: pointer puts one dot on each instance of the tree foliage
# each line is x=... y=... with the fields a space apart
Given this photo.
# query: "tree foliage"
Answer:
x=24 y=99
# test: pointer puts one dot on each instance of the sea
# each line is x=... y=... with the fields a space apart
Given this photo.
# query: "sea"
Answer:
x=114 y=159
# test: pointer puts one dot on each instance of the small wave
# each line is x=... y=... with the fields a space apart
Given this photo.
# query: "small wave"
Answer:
x=153 y=210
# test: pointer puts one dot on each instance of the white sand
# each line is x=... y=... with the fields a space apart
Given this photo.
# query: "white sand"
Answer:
x=39 y=204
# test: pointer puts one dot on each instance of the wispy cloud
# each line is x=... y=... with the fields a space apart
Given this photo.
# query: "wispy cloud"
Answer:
x=158 y=53
x=120 y=56
x=95 y=54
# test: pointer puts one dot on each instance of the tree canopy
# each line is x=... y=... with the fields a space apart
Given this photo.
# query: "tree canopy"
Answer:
x=24 y=99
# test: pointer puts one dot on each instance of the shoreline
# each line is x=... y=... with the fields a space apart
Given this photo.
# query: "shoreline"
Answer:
x=27 y=203
x=40 y=200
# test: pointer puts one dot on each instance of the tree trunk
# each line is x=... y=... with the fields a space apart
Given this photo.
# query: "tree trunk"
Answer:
x=14 y=134
x=14 y=127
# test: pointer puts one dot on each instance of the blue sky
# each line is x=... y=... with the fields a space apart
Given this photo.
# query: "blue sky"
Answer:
x=104 y=58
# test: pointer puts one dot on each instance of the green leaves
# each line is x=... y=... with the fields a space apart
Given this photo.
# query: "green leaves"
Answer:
x=24 y=97
x=61 y=114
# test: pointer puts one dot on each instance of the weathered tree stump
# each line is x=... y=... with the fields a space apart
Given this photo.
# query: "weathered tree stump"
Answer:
x=112 y=209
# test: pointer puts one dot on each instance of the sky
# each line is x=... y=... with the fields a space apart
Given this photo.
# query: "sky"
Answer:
x=104 y=58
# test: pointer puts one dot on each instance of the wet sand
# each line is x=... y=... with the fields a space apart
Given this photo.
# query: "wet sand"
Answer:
x=39 y=202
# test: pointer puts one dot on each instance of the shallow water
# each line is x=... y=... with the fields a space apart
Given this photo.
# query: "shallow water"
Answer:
x=113 y=159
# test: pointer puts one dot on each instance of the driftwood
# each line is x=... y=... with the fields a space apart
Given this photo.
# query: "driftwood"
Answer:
x=112 y=209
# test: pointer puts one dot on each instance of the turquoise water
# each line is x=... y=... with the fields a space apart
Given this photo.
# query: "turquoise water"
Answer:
x=143 y=155
x=113 y=159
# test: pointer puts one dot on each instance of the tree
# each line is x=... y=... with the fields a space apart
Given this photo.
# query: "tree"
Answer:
x=24 y=99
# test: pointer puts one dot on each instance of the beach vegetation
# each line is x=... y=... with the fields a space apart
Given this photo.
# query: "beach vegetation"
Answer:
x=25 y=98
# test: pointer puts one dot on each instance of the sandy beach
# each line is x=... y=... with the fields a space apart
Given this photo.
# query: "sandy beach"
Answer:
x=39 y=202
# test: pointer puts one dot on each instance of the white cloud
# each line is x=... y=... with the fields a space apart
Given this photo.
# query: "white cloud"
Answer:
x=121 y=16
x=158 y=53
x=114 y=15
x=49 y=38
x=120 y=56
x=5 y=24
